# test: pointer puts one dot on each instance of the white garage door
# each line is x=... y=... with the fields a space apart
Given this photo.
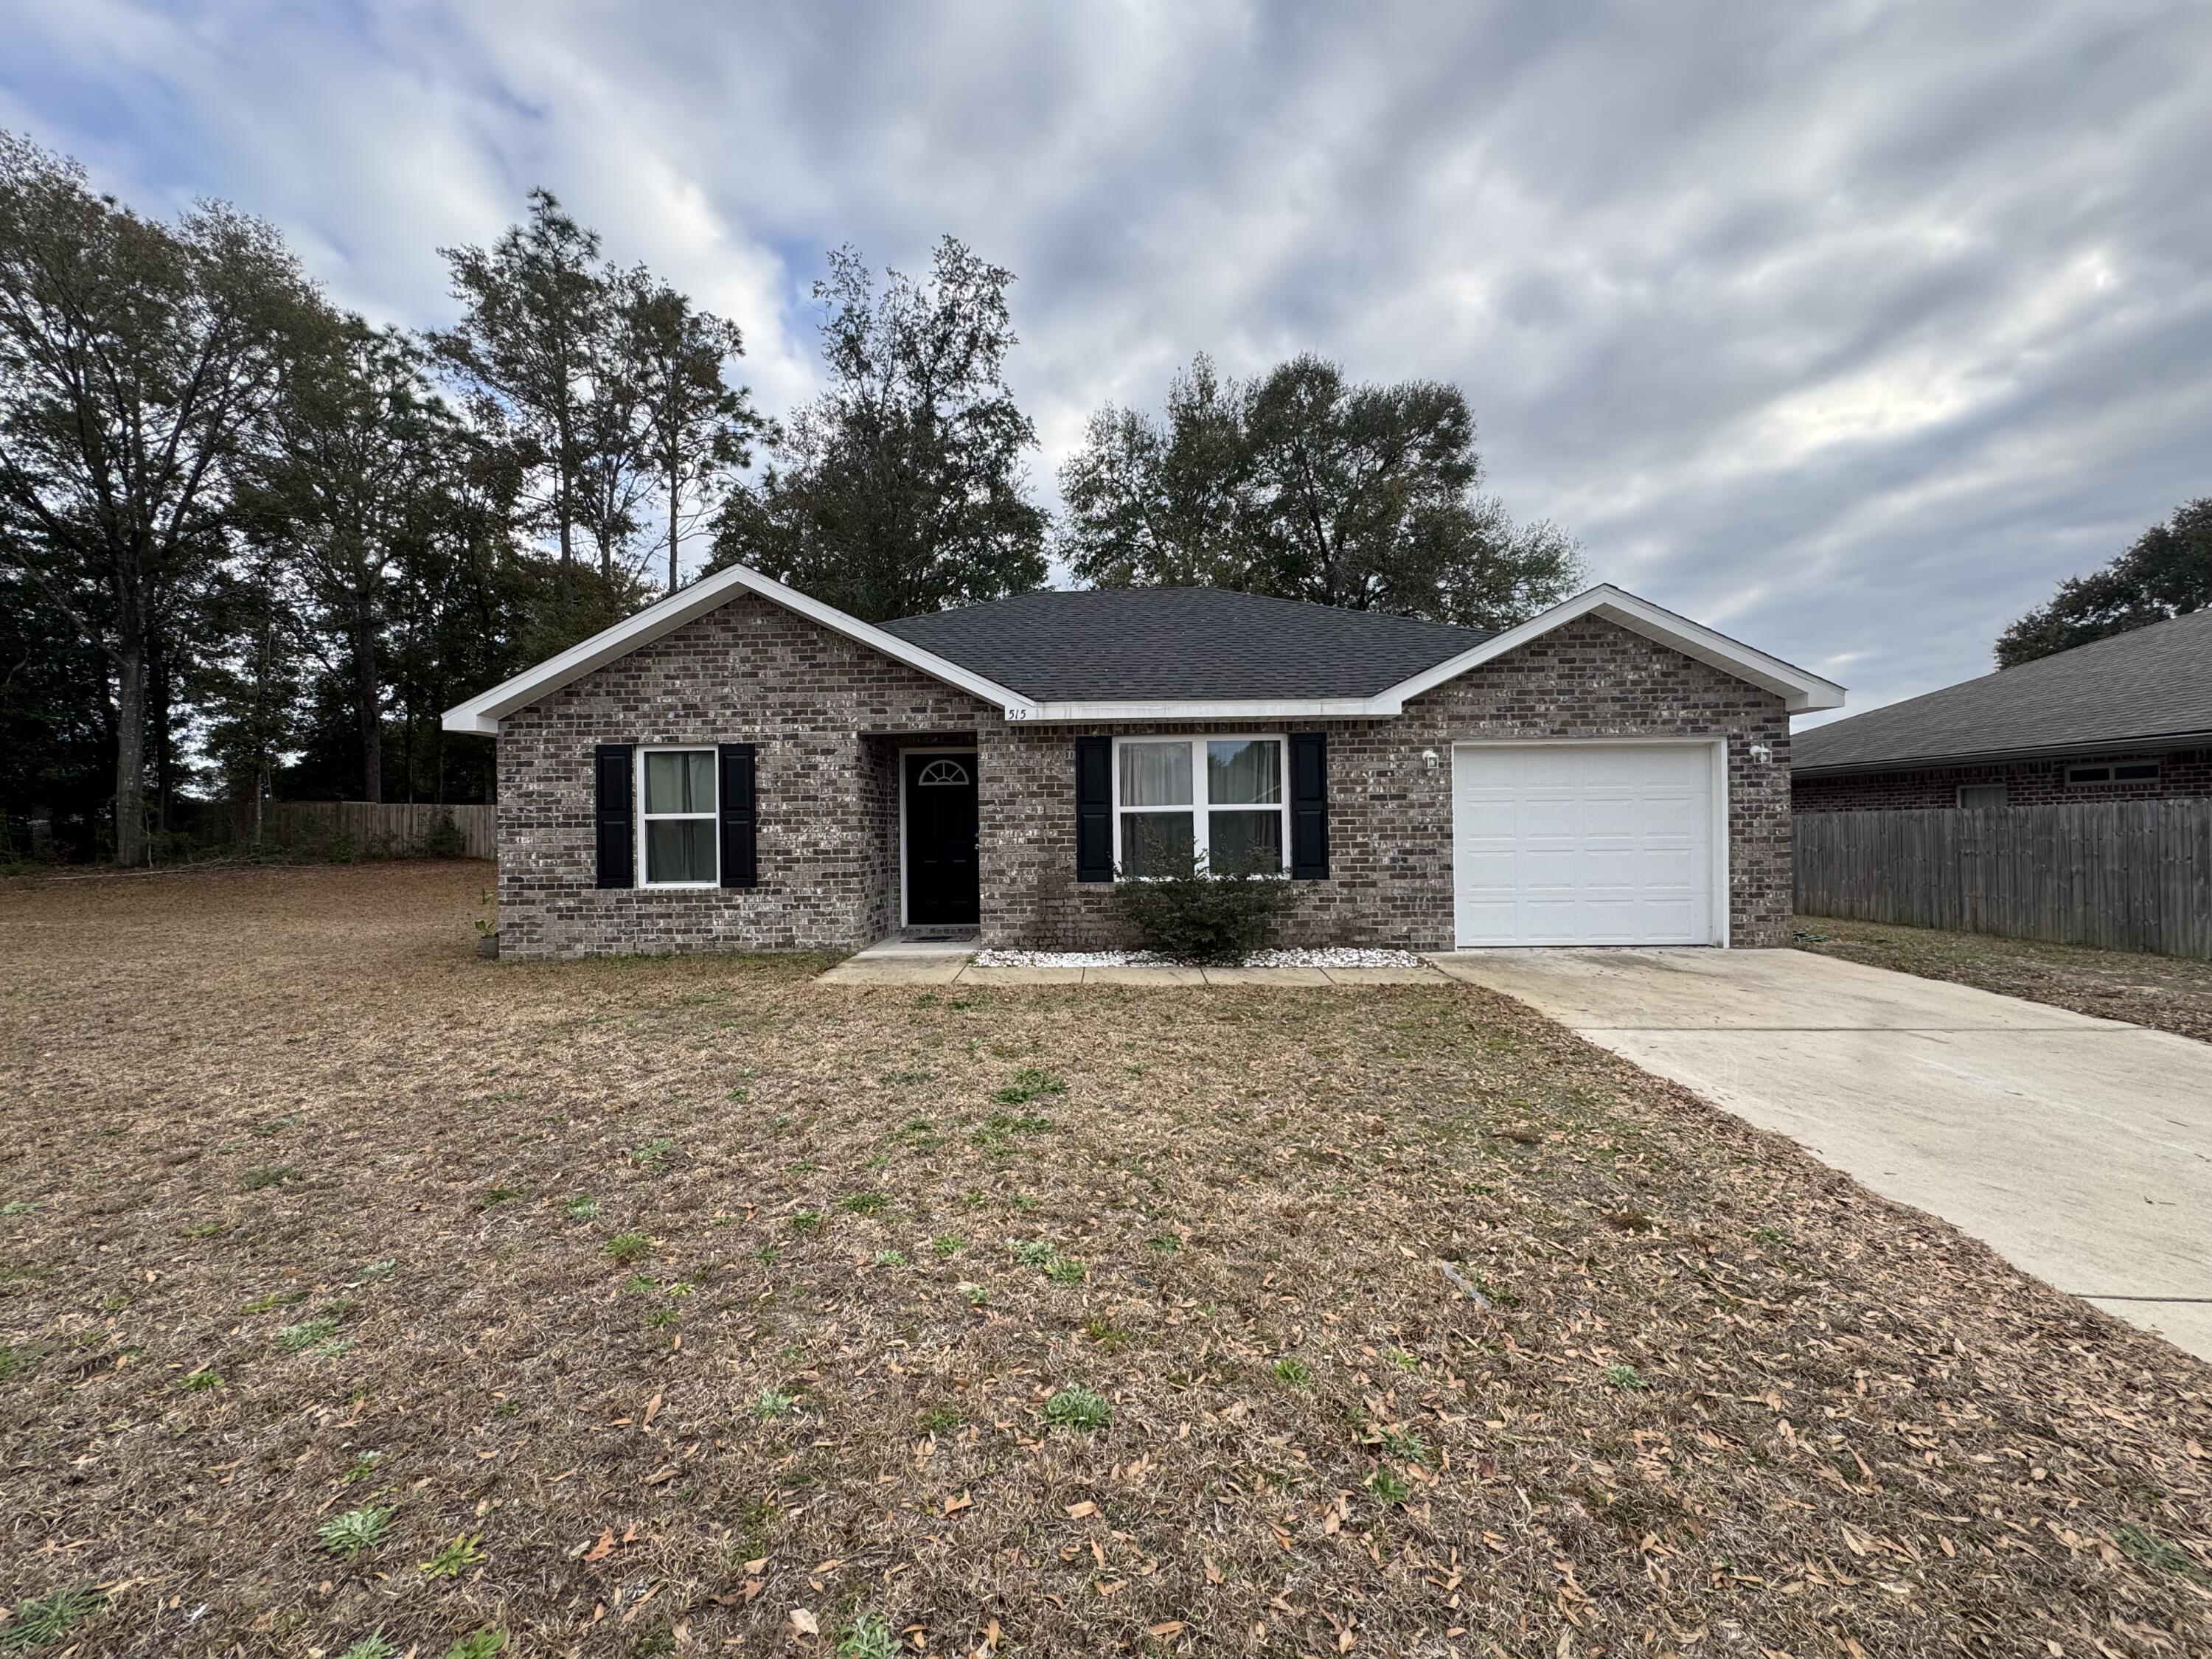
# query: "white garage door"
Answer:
x=1583 y=844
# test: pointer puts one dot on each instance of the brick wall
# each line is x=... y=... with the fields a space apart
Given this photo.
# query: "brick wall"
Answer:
x=750 y=671
x=829 y=717
x=2027 y=783
x=1391 y=815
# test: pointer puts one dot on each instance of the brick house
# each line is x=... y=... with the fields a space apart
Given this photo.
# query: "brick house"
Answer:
x=739 y=767
x=2125 y=718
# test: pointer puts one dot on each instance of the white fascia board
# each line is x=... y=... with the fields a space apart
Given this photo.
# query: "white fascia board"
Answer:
x=1801 y=690
x=482 y=712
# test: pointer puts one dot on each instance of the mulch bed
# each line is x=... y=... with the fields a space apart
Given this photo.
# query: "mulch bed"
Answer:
x=687 y=1306
x=2167 y=993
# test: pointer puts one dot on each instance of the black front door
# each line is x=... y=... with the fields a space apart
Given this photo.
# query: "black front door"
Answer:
x=941 y=886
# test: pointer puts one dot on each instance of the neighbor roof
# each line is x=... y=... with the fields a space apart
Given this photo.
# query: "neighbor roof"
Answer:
x=1159 y=644
x=1161 y=655
x=2149 y=687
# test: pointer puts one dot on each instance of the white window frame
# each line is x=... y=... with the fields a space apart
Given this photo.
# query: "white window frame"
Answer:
x=713 y=817
x=1201 y=809
x=2076 y=778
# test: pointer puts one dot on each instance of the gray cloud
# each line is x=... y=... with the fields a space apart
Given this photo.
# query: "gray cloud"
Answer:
x=1849 y=328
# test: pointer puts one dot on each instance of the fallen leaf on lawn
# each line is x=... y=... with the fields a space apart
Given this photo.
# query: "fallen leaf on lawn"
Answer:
x=753 y=1568
x=1165 y=1627
x=804 y=1623
x=954 y=1505
x=652 y=1407
x=1077 y=1511
x=604 y=1548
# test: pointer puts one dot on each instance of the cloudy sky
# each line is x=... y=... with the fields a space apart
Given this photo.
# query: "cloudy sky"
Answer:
x=1849 y=328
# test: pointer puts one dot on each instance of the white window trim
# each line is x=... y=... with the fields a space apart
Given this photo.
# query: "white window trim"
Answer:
x=1200 y=808
x=2111 y=779
x=714 y=816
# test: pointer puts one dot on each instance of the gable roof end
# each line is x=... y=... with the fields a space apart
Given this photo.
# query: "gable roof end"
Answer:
x=483 y=712
x=1802 y=691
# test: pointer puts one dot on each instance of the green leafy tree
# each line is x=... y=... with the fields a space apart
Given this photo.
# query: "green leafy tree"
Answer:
x=535 y=316
x=901 y=489
x=1162 y=502
x=2168 y=572
x=138 y=365
x=356 y=485
x=699 y=428
x=1306 y=486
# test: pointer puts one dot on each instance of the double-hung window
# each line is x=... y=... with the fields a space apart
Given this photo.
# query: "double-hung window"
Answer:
x=676 y=791
x=1217 y=801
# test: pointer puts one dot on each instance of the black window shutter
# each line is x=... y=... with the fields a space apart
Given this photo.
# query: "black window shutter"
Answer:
x=1310 y=805
x=1094 y=808
x=615 y=813
x=740 y=849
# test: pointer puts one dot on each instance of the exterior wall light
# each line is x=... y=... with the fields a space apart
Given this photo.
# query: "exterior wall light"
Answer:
x=1430 y=760
x=1762 y=753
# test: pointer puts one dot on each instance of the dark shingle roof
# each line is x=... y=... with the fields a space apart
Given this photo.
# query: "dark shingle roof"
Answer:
x=1161 y=642
x=2150 y=683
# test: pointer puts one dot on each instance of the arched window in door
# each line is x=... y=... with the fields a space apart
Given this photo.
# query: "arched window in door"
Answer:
x=939 y=772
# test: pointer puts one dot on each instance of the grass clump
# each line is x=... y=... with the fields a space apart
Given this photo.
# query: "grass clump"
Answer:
x=947 y=1244
x=452 y=1560
x=868 y=1637
x=866 y=1203
x=626 y=1248
x=2142 y=1545
x=199 y=1381
x=275 y=1175
x=348 y=1535
x=1291 y=1373
x=1387 y=1485
x=298 y=1338
x=42 y=1620
x=582 y=1207
x=1626 y=1377
x=654 y=1156
x=1066 y=1270
x=772 y=1406
x=375 y=1646
x=938 y=1419
x=1027 y=1084
x=477 y=1644
x=1077 y=1408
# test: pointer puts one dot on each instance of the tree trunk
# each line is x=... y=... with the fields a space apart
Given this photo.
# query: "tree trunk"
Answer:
x=675 y=494
x=131 y=753
x=368 y=710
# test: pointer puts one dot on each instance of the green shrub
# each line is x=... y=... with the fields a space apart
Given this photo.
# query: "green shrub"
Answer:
x=1195 y=914
x=444 y=840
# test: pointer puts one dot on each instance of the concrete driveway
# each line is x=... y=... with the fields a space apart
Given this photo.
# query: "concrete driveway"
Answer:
x=2079 y=1149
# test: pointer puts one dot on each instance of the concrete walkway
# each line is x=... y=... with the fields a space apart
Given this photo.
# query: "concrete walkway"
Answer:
x=2079 y=1149
x=908 y=962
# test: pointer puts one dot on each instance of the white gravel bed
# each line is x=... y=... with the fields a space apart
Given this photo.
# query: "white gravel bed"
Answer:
x=1336 y=956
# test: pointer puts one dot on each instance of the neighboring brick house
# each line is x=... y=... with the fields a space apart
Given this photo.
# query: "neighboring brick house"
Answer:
x=742 y=768
x=2124 y=718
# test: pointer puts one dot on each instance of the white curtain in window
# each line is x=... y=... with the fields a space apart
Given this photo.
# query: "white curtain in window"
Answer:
x=1156 y=774
x=679 y=781
x=1244 y=772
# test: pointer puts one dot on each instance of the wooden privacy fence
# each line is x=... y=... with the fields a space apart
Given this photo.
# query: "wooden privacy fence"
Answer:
x=2125 y=875
x=366 y=825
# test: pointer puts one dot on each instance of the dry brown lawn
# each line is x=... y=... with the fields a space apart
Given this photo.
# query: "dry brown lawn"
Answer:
x=686 y=1306
x=2168 y=994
